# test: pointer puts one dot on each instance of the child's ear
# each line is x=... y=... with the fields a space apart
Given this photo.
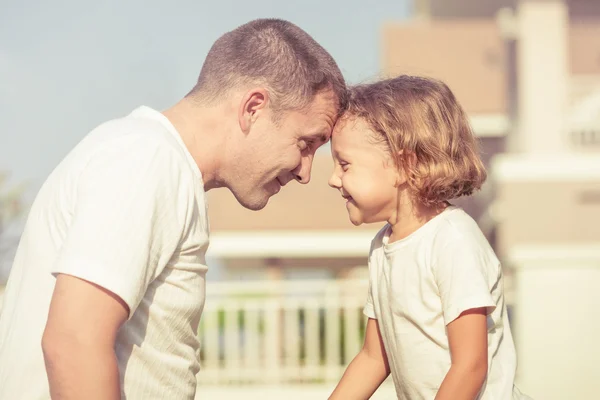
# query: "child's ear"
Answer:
x=408 y=158
x=405 y=162
x=399 y=172
x=400 y=176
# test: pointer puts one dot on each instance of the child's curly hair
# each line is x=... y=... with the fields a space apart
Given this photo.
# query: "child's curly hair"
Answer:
x=421 y=117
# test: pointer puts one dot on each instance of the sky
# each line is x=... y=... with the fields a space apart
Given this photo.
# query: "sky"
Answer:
x=68 y=65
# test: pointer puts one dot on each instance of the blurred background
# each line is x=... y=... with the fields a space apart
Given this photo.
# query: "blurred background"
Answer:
x=286 y=285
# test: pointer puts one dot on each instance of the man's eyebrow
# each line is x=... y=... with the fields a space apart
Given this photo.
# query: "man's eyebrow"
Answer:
x=325 y=134
x=319 y=136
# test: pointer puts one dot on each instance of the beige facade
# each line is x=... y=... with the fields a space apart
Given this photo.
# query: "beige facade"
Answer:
x=549 y=202
x=314 y=206
x=468 y=55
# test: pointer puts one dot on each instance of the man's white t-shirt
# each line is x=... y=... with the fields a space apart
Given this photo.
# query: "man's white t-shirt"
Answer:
x=420 y=284
x=125 y=210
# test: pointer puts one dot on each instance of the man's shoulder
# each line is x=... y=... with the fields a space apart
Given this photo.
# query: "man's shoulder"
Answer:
x=127 y=154
x=136 y=132
x=129 y=141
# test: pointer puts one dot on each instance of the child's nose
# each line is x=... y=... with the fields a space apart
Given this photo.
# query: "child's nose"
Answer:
x=334 y=181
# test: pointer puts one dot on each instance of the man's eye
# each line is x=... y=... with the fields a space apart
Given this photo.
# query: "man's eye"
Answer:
x=305 y=145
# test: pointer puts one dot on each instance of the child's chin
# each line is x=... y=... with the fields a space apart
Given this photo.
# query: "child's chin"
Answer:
x=354 y=220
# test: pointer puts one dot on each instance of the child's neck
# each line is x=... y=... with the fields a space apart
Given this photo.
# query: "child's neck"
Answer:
x=410 y=216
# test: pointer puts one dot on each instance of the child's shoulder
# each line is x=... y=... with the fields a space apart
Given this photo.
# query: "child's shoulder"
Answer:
x=377 y=241
x=459 y=243
x=458 y=230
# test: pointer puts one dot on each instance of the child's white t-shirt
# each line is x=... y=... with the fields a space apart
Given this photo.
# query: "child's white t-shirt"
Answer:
x=420 y=284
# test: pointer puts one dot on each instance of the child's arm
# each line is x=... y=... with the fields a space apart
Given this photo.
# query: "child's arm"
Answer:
x=467 y=336
x=368 y=369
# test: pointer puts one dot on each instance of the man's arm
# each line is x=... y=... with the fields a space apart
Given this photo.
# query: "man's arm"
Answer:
x=467 y=336
x=368 y=369
x=79 y=340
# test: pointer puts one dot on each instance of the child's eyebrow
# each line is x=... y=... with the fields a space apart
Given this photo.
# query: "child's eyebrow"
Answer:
x=339 y=155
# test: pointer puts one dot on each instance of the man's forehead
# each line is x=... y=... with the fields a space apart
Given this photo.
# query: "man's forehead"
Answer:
x=325 y=105
x=321 y=131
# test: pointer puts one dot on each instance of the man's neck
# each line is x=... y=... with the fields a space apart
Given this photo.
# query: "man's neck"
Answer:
x=203 y=130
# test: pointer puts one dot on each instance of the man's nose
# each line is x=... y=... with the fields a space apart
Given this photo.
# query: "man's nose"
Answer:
x=302 y=171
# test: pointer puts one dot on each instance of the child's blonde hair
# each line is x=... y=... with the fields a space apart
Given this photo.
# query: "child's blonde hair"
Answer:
x=421 y=116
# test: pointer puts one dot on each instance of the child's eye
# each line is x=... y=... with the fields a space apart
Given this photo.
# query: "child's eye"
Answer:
x=344 y=165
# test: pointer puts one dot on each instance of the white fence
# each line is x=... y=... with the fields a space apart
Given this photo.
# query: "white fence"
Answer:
x=281 y=332
x=279 y=336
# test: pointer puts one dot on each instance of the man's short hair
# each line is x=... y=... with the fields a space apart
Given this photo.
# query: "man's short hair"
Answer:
x=274 y=53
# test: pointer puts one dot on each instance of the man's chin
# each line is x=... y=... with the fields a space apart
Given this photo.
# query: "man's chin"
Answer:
x=254 y=204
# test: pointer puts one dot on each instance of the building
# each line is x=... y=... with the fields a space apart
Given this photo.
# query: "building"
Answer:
x=469 y=45
x=528 y=75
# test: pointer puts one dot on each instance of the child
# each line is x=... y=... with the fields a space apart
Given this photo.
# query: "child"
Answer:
x=436 y=312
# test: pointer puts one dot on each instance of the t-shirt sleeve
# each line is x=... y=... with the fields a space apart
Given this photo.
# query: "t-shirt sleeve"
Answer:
x=128 y=216
x=376 y=243
x=369 y=310
x=465 y=275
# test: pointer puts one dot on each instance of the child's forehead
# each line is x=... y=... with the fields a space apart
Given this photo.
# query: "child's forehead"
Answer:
x=355 y=138
x=350 y=124
x=352 y=131
x=354 y=135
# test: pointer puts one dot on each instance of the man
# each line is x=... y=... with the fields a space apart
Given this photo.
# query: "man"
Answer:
x=107 y=287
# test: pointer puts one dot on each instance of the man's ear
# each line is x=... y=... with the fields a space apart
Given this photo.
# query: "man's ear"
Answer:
x=252 y=104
